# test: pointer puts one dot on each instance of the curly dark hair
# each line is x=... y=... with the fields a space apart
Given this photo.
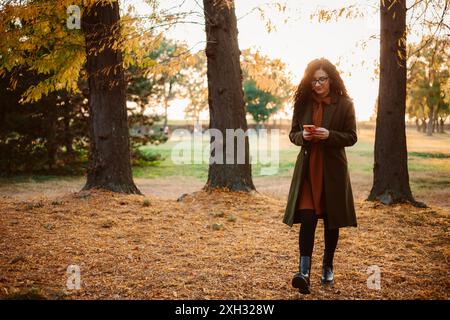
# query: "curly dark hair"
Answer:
x=304 y=90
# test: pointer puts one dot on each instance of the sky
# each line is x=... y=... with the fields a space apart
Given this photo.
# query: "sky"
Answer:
x=295 y=42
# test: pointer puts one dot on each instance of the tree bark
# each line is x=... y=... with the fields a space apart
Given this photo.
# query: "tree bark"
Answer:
x=390 y=172
x=417 y=124
x=166 y=101
x=109 y=151
x=430 y=121
x=68 y=137
x=225 y=95
x=51 y=143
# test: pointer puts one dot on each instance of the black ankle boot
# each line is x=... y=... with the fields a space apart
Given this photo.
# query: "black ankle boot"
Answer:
x=327 y=269
x=301 y=279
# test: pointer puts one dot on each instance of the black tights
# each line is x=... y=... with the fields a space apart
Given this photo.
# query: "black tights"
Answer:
x=308 y=230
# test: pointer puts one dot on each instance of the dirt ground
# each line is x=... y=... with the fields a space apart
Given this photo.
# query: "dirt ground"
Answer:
x=172 y=187
x=217 y=245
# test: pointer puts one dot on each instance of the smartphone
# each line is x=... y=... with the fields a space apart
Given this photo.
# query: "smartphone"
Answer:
x=309 y=127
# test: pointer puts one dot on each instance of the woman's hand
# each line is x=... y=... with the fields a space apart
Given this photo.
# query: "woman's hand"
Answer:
x=321 y=133
x=307 y=135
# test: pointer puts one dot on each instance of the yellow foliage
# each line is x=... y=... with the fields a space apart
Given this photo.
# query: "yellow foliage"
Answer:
x=269 y=74
x=35 y=36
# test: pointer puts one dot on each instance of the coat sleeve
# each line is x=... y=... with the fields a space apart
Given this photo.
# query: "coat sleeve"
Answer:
x=347 y=137
x=296 y=133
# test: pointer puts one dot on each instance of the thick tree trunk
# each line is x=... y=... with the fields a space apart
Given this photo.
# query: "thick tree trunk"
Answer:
x=109 y=153
x=225 y=96
x=390 y=172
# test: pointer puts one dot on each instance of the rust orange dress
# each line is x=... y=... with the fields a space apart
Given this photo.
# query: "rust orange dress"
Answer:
x=311 y=195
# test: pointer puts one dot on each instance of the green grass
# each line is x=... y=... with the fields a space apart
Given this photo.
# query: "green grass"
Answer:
x=431 y=182
x=428 y=161
x=167 y=167
x=360 y=158
x=36 y=178
x=429 y=155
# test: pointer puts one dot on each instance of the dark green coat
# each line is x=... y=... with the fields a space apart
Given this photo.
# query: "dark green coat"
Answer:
x=339 y=119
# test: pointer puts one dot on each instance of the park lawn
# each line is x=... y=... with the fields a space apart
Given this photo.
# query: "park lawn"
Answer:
x=425 y=154
x=428 y=155
x=168 y=167
x=428 y=162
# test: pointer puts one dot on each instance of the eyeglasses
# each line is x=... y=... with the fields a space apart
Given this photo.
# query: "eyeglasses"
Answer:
x=321 y=81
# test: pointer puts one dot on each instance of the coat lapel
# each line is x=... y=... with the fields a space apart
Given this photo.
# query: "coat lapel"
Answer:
x=328 y=112
x=307 y=117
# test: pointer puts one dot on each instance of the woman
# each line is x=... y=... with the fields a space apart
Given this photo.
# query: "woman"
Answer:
x=320 y=187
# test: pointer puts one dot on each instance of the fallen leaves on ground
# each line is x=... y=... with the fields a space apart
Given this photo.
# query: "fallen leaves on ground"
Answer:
x=211 y=245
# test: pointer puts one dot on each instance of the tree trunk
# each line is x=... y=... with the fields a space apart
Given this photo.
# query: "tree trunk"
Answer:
x=390 y=172
x=417 y=124
x=51 y=143
x=166 y=102
x=225 y=96
x=109 y=152
x=430 y=122
x=68 y=136
x=166 y=106
x=197 y=118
